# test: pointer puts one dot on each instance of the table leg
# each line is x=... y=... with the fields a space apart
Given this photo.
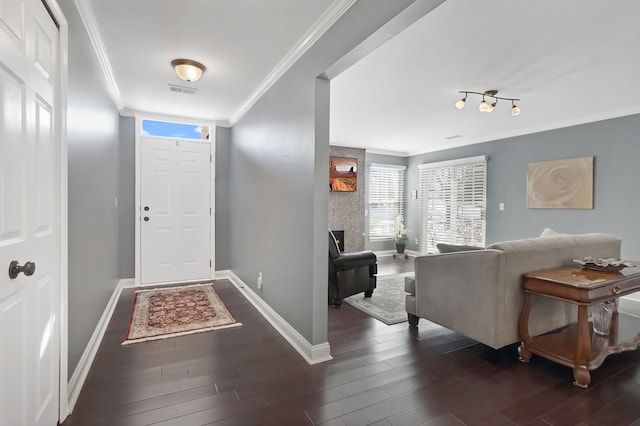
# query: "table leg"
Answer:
x=523 y=327
x=581 y=373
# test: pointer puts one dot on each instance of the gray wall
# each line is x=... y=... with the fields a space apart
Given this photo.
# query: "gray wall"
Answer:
x=346 y=209
x=93 y=186
x=384 y=159
x=613 y=143
x=223 y=214
x=127 y=197
x=279 y=159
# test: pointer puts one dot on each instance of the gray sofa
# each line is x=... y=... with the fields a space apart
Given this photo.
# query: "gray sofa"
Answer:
x=479 y=293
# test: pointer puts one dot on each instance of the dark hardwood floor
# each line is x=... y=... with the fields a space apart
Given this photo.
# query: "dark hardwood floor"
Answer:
x=395 y=264
x=380 y=375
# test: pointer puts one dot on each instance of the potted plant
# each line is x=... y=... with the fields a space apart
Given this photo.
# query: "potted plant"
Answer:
x=401 y=234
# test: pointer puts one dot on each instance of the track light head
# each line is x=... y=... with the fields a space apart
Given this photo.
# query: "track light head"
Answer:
x=483 y=105
x=515 y=111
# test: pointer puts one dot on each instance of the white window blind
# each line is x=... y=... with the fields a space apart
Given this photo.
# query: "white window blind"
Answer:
x=386 y=199
x=453 y=200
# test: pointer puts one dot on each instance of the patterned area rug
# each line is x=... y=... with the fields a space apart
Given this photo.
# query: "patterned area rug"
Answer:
x=387 y=302
x=177 y=311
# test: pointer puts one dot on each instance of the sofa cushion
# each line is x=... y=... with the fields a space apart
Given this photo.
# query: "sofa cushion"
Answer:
x=548 y=232
x=450 y=248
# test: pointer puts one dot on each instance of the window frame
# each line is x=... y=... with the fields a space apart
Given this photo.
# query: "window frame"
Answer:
x=373 y=233
x=453 y=210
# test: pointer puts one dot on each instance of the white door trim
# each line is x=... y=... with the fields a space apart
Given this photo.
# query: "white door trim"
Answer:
x=61 y=130
x=139 y=117
x=212 y=139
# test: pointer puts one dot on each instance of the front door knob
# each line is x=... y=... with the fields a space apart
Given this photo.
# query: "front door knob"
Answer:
x=14 y=269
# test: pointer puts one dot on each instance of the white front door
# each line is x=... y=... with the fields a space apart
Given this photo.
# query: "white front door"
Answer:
x=29 y=216
x=175 y=210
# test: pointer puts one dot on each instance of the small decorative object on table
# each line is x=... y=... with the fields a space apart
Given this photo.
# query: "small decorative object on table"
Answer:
x=601 y=317
x=604 y=265
x=401 y=234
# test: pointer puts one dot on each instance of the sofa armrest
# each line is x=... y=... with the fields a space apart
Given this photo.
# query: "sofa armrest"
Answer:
x=463 y=291
x=358 y=259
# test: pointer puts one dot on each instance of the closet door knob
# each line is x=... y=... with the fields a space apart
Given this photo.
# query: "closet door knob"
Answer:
x=15 y=268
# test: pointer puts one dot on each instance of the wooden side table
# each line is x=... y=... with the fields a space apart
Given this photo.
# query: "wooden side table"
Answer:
x=576 y=346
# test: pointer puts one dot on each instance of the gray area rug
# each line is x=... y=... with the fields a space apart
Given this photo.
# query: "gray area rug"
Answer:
x=387 y=302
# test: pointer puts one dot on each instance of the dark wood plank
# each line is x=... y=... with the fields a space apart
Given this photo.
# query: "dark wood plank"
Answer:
x=381 y=375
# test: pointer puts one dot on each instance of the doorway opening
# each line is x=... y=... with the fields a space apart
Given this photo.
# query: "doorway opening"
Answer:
x=175 y=197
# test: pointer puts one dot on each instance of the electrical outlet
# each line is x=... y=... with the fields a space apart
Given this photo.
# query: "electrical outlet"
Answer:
x=259 y=280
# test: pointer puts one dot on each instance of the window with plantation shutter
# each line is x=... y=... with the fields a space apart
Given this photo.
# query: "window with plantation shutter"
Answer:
x=453 y=200
x=386 y=199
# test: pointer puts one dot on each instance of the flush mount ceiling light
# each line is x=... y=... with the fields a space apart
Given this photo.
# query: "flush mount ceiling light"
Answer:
x=187 y=69
x=488 y=106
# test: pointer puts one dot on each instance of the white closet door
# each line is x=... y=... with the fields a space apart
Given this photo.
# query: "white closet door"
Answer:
x=29 y=216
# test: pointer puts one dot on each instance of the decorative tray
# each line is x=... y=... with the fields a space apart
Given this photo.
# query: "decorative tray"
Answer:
x=604 y=265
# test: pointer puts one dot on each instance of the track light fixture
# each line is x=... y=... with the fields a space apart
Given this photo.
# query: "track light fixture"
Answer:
x=488 y=106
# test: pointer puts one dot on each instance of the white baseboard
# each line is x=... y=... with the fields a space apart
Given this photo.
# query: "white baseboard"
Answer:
x=127 y=283
x=84 y=365
x=313 y=354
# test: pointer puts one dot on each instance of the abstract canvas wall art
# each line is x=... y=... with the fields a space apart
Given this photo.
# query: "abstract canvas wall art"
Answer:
x=560 y=184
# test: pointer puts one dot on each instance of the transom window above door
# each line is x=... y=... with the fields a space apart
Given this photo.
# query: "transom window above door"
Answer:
x=175 y=130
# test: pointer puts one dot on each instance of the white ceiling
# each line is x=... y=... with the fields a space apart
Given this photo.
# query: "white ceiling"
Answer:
x=239 y=41
x=570 y=62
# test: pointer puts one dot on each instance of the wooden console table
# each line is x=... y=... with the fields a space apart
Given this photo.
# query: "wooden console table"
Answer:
x=576 y=346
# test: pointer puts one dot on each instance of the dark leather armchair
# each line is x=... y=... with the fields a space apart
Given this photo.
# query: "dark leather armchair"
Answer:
x=350 y=273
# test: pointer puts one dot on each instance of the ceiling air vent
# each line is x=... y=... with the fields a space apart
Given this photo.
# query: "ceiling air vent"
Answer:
x=182 y=89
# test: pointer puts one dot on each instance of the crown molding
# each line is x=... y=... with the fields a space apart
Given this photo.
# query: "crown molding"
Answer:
x=530 y=130
x=331 y=15
x=90 y=24
x=386 y=152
